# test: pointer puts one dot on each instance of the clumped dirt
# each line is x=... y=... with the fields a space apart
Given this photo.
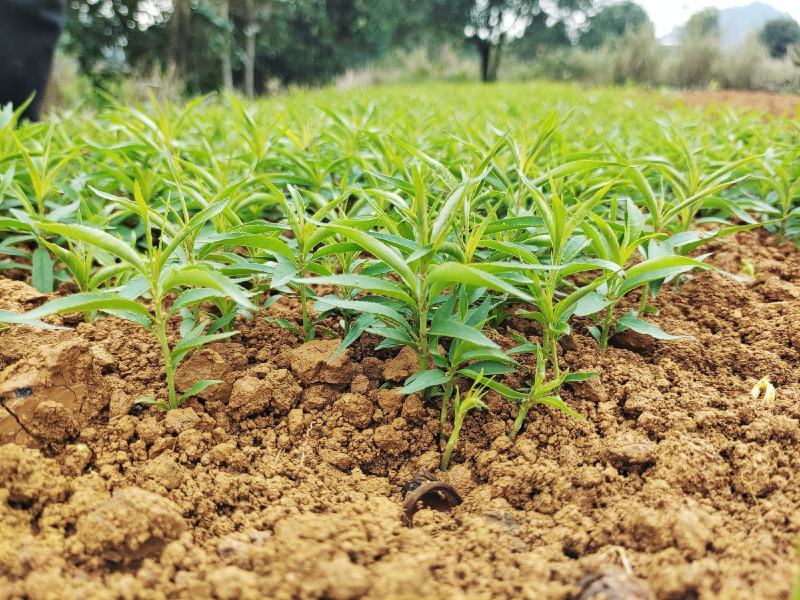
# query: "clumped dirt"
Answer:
x=285 y=481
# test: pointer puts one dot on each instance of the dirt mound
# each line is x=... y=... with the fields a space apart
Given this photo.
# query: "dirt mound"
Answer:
x=53 y=392
x=288 y=476
x=132 y=525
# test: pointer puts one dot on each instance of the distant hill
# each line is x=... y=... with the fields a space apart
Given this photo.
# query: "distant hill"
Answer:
x=736 y=24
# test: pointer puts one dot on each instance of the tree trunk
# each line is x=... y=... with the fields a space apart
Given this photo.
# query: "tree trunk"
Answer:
x=250 y=31
x=178 y=50
x=484 y=49
x=494 y=62
x=227 y=64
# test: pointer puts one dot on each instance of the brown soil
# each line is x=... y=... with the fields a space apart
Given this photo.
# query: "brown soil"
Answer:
x=285 y=482
x=784 y=105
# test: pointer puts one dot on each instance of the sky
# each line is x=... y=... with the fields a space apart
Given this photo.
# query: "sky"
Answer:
x=666 y=14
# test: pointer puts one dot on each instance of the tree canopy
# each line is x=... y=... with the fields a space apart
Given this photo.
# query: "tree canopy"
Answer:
x=779 y=35
x=703 y=24
x=245 y=43
x=612 y=22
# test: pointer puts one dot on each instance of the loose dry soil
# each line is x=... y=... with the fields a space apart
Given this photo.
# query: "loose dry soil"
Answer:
x=776 y=103
x=285 y=481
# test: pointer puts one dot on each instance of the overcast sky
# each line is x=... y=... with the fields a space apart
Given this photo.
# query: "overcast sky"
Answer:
x=666 y=14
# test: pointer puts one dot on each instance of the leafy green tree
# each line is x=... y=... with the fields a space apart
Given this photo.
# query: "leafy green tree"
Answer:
x=700 y=50
x=426 y=22
x=540 y=36
x=779 y=35
x=310 y=41
x=221 y=43
x=492 y=23
x=210 y=44
x=703 y=24
x=101 y=34
x=612 y=22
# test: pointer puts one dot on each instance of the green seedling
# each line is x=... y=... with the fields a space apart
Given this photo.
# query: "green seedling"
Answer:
x=692 y=187
x=160 y=273
x=549 y=280
x=617 y=246
x=42 y=168
x=783 y=183
x=285 y=262
x=461 y=408
x=417 y=257
x=542 y=390
x=469 y=358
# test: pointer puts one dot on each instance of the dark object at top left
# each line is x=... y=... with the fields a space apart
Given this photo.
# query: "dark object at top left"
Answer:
x=29 y=31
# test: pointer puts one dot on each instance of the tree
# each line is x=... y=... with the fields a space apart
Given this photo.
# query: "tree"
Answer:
x=779 y=35
x=541 y=35
x=106 y=35
x=425 y=22
x=699 y=52
x=180 y=30
x=703 y=24
x=794 y=54
x=251 y=29
x=612 y=22
x=227 y=46
x=492 y=23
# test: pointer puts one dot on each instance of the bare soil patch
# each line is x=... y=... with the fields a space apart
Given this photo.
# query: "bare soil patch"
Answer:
x=780 y=104
x=285 y=482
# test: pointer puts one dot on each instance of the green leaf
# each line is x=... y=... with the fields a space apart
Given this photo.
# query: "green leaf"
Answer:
x=513 y=223
x=423 y=380
x=498 y=387
x=194 y=296
x=197 y=388
x=454 y=329
x=149 y=400
x=445 y=216
x=571 y=168
x=359 y=326
x=285 y=324
x=8 y=317
x=192 y=226
x=657 y=268
x=127 y=315
x=457 y=273
x=646 y=328
x=86 y=302
x=580 y=376
x=557 y=402
x=74 y=264
x=363 y=306
x=42 y=275
x=187 y=344
x=663 y=262
x=271 y=244
x=201 y=276
x=397 y=336
x=491 y=367
x=590 y=304
x=100 y=239
x=382 y=287
x=380 y=251
x=441 y=171
x=486 y=354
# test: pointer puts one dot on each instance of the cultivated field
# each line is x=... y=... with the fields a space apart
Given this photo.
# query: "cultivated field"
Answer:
x=237 y=337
